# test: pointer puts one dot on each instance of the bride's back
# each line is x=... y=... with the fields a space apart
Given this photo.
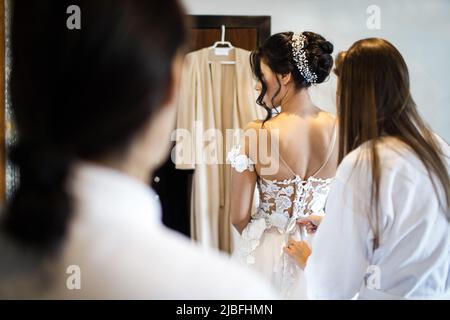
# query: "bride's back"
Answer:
x=307 y=146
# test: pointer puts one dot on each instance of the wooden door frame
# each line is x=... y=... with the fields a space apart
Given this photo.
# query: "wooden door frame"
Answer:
x=261 y=23
x=2 y=105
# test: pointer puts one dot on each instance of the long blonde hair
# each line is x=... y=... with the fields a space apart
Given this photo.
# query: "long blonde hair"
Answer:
x=374 y=101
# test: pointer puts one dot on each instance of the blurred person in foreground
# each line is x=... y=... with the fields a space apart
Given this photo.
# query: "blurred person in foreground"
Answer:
x=94 y=109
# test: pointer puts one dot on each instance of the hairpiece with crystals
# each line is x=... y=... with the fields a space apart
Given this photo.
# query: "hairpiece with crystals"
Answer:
x=299 y=53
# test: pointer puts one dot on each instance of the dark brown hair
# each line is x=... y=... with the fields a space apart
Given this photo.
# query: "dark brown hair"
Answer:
x=374 y=101
x=276 y=52
x=81 y=94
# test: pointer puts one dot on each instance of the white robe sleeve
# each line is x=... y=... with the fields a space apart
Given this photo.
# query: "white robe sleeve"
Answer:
x=412 y=259
x=338 y=264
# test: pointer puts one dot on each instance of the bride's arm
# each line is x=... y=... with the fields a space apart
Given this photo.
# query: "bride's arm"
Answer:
x=243 y=179
x=242 y=190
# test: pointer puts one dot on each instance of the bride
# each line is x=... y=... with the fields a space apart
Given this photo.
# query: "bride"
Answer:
x=293 y=182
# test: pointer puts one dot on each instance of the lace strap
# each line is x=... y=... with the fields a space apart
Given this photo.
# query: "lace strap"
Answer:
x=285 y=163
x=330 y=150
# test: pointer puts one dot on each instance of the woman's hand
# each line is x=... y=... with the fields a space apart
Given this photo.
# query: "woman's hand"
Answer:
x=311 y=223
x=299 y=251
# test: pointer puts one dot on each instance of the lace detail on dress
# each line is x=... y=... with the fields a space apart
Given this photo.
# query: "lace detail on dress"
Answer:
x=293 y=197
x=240 y=162
x=281 y=203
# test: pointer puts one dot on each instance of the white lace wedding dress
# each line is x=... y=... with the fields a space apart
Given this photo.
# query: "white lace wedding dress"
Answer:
x=281 y=203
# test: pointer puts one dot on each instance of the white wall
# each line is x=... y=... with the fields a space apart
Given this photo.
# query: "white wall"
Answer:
x=419 y=29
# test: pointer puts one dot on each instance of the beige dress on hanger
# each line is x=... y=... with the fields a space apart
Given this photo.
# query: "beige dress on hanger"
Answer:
x=213 y=95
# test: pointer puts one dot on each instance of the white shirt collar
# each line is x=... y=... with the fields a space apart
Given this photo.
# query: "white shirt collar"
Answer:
x=108 y=191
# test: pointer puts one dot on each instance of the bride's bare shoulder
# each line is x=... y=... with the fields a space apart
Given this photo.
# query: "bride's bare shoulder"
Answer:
x=255 y=124
x=326 y=116
x=325 y=120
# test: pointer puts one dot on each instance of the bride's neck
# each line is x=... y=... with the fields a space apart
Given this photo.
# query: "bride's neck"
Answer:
x=297 y=102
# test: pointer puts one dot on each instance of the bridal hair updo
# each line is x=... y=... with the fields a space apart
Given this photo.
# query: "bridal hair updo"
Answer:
x=278 y=53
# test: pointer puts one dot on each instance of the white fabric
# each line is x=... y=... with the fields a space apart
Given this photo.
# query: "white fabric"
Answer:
x=281 y=203
x=240 y=162
x=124 y=251
x=413 y=257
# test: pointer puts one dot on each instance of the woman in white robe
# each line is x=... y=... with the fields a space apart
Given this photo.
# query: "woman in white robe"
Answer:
x=386 y=234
